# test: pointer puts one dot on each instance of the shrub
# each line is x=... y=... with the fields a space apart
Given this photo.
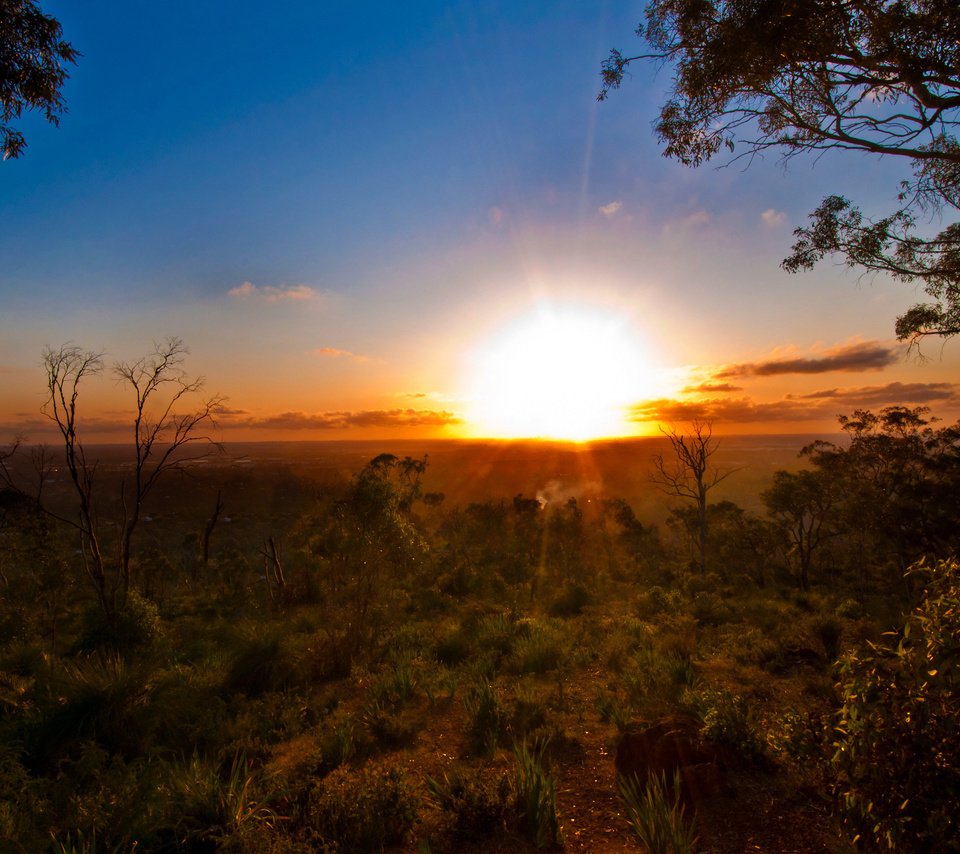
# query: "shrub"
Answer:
x=136 y=625
x=726 y=720
x=216 y=805
x=362 y=813
x=829 y=631
x=897 y=759
x=100 y=698
x=487 y=719
x=260 y=665
x=477 y=806
x=571 y=602
x=540 y=651
x=658 y=820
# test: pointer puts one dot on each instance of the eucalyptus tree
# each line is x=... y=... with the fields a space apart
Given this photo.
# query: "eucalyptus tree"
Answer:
x=809 y=76
x=33 y=69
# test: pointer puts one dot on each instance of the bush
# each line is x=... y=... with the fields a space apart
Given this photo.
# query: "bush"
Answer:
x=362 y=813
x=136 y=625
x=571 y=602
x=726 y=720
x=897 y=759
x=477 y=806
x=488 y=719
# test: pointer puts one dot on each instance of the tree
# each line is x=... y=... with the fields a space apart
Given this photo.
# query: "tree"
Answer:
x=33 y=57
x=802 y=503
x=690 y=474
x=163 y=440
x=807 y=76
x=896 y=484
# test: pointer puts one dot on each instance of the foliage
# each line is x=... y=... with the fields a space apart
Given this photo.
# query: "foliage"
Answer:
x=33 y=70
x=488 y=719
x=897 y=759
x=871 y=76
x=135 y=626
x=726 y=720
x=894 y=484
x=536 y=797
x=216 y=805
x=477 y=805
x=364 y=813
x=658 y=820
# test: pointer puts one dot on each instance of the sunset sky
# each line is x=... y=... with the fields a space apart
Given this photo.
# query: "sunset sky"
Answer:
x=375 y=220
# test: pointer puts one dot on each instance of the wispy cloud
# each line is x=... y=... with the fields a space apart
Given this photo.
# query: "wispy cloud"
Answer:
x=772 y=217
x=813 y=406
x=710 y=387
x=856 y=357
x=341 y=420
x=611 y=209
x=885 y=394
x=337 y=353
x=269 y=293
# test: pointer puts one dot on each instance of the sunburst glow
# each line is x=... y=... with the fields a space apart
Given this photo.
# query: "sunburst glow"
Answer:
x=560 y=374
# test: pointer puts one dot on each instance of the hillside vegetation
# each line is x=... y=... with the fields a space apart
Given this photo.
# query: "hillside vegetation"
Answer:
x=386 y=668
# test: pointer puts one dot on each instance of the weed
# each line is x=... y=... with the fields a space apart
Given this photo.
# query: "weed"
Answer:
x=658 y=820
x=536 y=800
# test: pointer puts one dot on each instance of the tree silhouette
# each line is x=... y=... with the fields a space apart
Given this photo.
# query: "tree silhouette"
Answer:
x=33 y=57
x=806 y=76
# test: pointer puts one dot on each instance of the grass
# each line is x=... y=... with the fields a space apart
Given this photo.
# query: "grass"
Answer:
x=656 y=815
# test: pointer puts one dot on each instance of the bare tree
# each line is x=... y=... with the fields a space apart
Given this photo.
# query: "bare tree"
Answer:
x=689 y=473
x=163 y=440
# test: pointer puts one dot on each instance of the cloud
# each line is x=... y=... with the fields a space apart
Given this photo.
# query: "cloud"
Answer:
x=495 y=215
x=813 y=406
x=773 y=217
x=710 y=387
x=696 y=219
x=269 y=293
x=397 y=418
x=856 y=357
x=885 y=394
x=337 y=353
x=611 y=209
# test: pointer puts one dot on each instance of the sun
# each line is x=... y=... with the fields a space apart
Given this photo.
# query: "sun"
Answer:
x=558 y=373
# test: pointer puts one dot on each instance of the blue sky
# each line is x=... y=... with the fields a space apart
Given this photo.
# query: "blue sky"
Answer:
x=335 y=205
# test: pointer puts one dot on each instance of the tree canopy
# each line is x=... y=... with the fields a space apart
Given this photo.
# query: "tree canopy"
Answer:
x=799 y=76
x=33 y=59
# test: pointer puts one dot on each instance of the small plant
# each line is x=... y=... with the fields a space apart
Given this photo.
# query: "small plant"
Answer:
x=536 y=799
x=541 y=651
x=613 y=711
x=658 y=818
x=216 y=805
x=487 y=719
